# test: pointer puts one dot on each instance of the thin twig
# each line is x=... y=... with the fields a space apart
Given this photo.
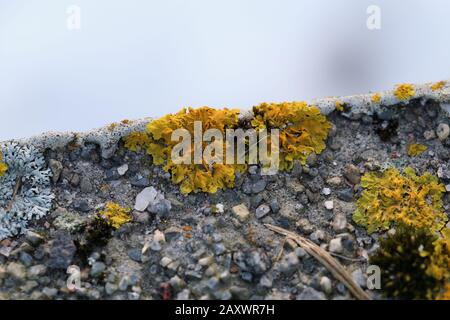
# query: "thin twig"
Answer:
x=16 y=190
x=292 y=243
x=280 y=253
x=325 y=259
x=347 y=258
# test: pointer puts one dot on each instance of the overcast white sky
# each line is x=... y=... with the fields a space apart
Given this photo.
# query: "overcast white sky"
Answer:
x=146 y=58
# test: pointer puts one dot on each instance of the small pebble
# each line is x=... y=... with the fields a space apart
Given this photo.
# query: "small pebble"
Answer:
x=220 y=208
x=429 y=134
x=259 y=186
x=352 y=174
x=334 y=181
x=97 y=269
x=262 y=211
x=442 y=131
x=165 y=261
x=329 y=205
x=241 y=211
x=335 y=245
x=325 y=285
x=122 y=169
x=274 y=206
x=110 y=288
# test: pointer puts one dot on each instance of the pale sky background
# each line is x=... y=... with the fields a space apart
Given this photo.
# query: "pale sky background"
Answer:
x=146 y=58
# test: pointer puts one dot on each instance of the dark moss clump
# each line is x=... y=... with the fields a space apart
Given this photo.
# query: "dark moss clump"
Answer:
x=403 y=262
x=386 y=125
x=97 y=234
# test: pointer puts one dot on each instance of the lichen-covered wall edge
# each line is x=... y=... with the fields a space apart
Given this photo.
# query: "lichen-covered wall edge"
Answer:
x=108 y=136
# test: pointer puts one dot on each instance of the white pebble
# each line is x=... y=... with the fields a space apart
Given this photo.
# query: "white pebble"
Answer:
x=326 y=191
x=159 y=237
x=336 y=245
x=325 y=284
x=219 y=208
x=329 y=204
x=241 y=211
x=262 y=211
x=442 y=131
x=122 y=169
x=429 y=134
x=144 y=198
x=165 y=261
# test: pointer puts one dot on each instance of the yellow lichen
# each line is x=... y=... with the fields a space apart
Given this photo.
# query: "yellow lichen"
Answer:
x=137 y=141
x=3 y=166
x=437 y=86
x=415 y=149
x=115 y=214
x=439 y=267
x=303 y=129
x=112 y=126
x=376 y=98
x=339 y=106
x=404 y=91
x=207 y=176
x=445 y=295
x=390 y=197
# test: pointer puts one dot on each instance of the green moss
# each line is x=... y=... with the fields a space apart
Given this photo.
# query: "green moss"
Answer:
x=403 y=261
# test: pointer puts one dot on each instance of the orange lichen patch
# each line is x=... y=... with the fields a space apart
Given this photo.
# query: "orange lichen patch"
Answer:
x=187 y=228
x=376 y=98
x=438 y=85
x=115 y=215
x=303 y=129
x=187 y=235
x=3 y=166
x=415 y=149
x=404 y=91
x=390 y=197
x=339 y=106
